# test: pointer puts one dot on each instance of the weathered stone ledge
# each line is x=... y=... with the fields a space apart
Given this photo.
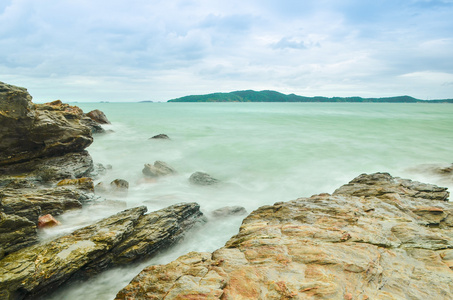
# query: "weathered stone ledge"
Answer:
x=378 y=237
x=126 y=237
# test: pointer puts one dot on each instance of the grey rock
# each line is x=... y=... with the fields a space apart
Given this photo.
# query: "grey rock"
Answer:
x=229 y=211
x=201 y=178
x=159 y=169
x=160 y=136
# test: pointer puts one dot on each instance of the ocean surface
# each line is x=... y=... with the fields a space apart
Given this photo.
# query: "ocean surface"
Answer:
x=262 y=152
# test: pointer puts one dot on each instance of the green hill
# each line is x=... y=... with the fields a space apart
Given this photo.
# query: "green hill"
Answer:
x=273 y=96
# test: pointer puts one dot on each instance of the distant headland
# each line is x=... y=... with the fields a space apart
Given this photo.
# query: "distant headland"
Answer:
x=273 y=96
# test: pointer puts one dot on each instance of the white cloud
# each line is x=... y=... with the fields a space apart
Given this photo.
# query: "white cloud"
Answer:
x=139 y=49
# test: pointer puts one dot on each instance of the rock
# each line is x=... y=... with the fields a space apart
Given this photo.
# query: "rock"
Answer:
x=229 y=211
x=84 y=183
x=47 y=221
x=160 y=136
x=98 y=116
x=16 y=232
x=123 y=238
x=31 y=203
x=93 y=125
x=440 y=170
x=29 y=131
x=119 y=184
x=340 y=246
x=159 y=169
x=200 y=178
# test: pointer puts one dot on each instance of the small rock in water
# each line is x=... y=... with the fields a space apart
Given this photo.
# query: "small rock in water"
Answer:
x=119 y=184
x=229 y=211
x=201 y=178
x=160 y=136
x=98 y=116
x=47 y=221
x=158 y=169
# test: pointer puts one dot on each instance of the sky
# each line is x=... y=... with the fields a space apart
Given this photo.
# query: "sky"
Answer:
x=135 y=50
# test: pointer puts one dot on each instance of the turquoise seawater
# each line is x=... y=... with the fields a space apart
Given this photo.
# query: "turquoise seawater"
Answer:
x=263 y=152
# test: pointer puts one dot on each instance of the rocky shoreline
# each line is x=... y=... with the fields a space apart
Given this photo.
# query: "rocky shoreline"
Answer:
x=377 y=237
x=46 y=171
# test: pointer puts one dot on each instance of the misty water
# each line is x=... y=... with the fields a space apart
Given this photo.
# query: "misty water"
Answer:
x=263 y=152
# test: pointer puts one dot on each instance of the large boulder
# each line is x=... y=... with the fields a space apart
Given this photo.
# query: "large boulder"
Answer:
x=378 y=237
x=29 y=131
x=126 y=237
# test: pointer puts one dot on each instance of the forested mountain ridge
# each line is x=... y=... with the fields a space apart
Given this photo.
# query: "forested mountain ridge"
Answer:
x=273 y=96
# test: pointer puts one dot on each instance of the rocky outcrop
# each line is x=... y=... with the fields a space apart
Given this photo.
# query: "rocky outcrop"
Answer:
x=40 y=145
x=29 y=131
x=98 y=116
x=159 y=169
x=123 y=238
x=378 y=237
x=201 y=178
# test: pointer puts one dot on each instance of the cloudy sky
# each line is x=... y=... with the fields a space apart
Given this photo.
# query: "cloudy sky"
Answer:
x=132 y=50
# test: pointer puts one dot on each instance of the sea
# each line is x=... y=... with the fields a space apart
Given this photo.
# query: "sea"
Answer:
x=261 y=152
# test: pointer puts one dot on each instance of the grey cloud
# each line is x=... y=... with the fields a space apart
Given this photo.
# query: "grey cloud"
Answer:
x=289 y=43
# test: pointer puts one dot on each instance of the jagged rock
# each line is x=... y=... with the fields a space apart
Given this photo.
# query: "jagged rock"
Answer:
x=159 y=169
x=98 y=116
x=29 y=131
x=47 y=221
x=160 y=136
x=365 y=241
x=200 y=178
x=229 y=211
x=125 y=237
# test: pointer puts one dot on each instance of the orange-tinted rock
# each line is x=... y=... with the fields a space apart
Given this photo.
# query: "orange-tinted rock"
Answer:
x=85 y=183
x=47 y=221
x=338 y=246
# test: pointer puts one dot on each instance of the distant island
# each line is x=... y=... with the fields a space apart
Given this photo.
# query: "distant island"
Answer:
x=273 y=96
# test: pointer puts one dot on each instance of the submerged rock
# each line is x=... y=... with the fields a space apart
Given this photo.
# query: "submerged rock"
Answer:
x=201 y=178
x=123 y=238
x=229 y=211
x=119 y=184
x=29 y=131
x=159 y=169
x=160 y=136
x=378 y=237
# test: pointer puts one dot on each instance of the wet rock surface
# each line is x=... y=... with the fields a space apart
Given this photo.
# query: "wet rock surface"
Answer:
x=98 y=116
x=201 y=178
x=158 y=169
x=29 y=131
x=160 y=136
x=378 y=237
x=128 y=236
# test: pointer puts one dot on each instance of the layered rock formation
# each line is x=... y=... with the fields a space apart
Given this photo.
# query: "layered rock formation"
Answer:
x=29 y=131
x=377 y=237
x=126 y=237
x=40 y=144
